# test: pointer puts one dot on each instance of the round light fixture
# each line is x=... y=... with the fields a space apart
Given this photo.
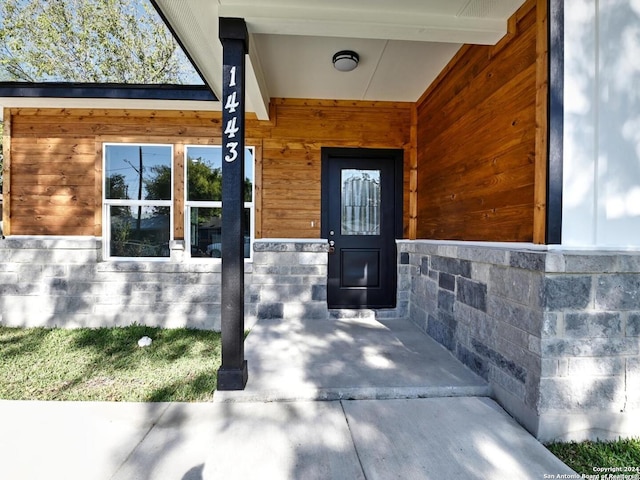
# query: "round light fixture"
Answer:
x=346 y=60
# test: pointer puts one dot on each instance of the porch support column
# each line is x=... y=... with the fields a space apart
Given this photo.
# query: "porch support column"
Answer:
x=235 y=43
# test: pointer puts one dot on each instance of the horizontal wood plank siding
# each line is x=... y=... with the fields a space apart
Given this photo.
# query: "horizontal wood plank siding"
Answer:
x=476 y=141
x=56 y=159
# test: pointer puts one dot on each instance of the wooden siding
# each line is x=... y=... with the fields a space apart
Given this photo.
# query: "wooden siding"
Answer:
x=477 y=141
x=56 y=159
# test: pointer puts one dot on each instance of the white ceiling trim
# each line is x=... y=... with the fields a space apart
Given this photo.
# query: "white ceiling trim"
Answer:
x=256 y=86
x=374 y=24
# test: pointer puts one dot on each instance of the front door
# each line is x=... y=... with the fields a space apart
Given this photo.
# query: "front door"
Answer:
x=361 y=218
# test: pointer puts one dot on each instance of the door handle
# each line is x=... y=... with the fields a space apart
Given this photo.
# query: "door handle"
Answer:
x=332 y=246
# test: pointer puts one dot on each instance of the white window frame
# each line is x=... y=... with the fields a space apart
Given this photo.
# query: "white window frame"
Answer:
x=216 y=204
x=107 y=203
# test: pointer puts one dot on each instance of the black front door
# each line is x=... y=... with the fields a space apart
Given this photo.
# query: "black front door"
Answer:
x=361 y=218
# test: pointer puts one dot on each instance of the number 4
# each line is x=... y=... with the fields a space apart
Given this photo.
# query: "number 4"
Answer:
x=231 y=104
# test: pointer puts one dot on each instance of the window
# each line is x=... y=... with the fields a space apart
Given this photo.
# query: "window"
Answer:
x=203 y=192
x=137 y=200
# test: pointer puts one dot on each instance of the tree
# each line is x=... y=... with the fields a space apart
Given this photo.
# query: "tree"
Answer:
x=97 y=41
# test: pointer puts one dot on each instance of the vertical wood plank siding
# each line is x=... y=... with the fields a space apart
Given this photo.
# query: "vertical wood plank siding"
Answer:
x=477 y=141
x=56 y=159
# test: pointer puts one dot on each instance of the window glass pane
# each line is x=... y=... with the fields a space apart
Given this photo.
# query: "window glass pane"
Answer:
x=206 y=229
x=204 y=173
x=137 y=172
x=360 y=202
x=139 y=231
x=206 y=232
x=248 y=175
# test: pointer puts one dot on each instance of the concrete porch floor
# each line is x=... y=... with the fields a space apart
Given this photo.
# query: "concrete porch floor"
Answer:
x=357 y=358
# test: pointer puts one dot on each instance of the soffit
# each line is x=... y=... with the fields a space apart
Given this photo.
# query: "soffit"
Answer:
x=403 y=44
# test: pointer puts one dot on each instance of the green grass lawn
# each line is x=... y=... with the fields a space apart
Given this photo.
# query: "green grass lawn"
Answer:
x=107 y=364
x=583 y=457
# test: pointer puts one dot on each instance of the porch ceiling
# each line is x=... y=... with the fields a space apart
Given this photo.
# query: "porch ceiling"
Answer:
x=403 y=44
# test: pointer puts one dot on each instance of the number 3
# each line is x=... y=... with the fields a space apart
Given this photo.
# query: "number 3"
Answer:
x=233 y=150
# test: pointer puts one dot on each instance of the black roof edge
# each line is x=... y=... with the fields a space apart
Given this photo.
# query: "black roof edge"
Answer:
x=107 y=90
x=164 y=18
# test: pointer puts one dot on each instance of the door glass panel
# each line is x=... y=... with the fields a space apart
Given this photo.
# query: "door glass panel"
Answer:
x=360 y=202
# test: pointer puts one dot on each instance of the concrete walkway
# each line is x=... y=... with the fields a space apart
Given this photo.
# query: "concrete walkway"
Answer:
x=417 y=414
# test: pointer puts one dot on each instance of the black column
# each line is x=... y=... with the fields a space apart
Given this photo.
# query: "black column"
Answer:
x=556 y=122
x=234 y=38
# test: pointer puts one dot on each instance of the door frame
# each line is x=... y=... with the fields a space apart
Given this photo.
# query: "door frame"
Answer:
x=393 y=155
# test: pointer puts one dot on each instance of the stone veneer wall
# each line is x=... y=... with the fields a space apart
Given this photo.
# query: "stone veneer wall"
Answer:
x=63 y=282
x=556 y=334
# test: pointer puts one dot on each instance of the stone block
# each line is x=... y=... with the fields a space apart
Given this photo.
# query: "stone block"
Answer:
x=598 y=324
x=590 y=347
x=549 y=367
x=567 y=292
x=633 y=325
x=582 y=393
x=468 y=315
x=549 y=324
x=319 y=293
x=404 y=258
x=513 y=386
x=629 y=262
x=8 y=289
x=453 y=266
x=446 y=300
x=270 y=310
x=496 y=358
x=493 y=256
x=592 y=367
x=268 y=269
x=447 y=281
x=481 y=272
x=535 y=346
x=528 y=260
x=309 y=270
x=71 y=305
x=311 y=310
x=472 y=293
x=618 y=292
x=511 y=283
x=515 y=314
x=592 y=263
x=513 y=334
x=441 y=333
x=8 y=278
x=424 y=266
x=476 y=363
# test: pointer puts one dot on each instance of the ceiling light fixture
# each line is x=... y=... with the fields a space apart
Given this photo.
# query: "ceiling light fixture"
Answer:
x=346 y=60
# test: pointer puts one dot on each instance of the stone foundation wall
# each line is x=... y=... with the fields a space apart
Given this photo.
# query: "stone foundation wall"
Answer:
x=62 y=282
x=289 y=278
x=555 y=334
x=46 y=281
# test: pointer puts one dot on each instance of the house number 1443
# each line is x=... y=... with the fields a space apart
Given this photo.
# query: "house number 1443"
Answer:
x=231 y=105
